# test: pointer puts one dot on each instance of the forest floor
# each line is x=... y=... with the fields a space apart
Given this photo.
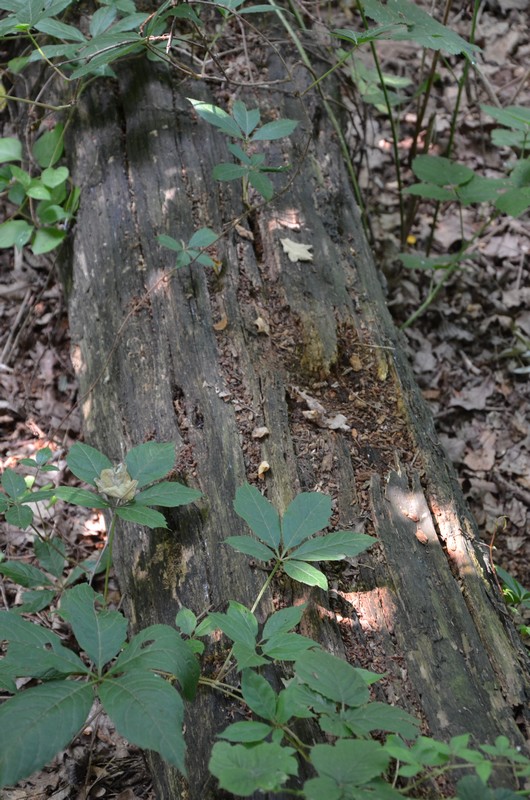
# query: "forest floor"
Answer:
x=469 y=349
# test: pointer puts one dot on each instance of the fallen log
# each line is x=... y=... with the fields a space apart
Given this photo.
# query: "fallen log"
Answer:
x=305 y=349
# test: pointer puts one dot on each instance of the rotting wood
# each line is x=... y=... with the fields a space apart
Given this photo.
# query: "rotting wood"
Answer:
x=145 y=167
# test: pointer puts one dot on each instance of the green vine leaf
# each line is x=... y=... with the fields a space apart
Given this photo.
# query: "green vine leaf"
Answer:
x=307 y=514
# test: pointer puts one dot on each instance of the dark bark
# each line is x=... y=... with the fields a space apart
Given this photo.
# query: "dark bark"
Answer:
x=152 y=365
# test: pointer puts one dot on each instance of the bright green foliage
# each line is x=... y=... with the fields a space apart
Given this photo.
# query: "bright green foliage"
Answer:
x=245 y=770
x=514 y=593
x=38 y=722
x=287 y=541
x=194 y=250
x=143 y=465
x=242 y=125
x=412 y=23
x=516 y=119
x=56 y=204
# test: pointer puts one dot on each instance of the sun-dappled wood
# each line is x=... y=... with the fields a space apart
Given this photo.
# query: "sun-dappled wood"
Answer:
x=153 y=363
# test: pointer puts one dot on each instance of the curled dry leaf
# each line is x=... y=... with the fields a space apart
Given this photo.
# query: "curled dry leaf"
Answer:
x=262 y=326
x=296 y=251
x=260 y=433
x=263 y=468
x=221 y=325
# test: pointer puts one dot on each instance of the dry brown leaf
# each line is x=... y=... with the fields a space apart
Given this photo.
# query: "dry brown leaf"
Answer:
x=221 y=325
x=296 y=251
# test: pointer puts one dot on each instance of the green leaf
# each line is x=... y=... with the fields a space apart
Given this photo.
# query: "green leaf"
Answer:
x=150 y=461
x=287 y=646
x=517 y=117
x=247 y=657
x=186 y=621
x=59 y=30
x=49 y=147
x=332 y=677
x=35 y=600
x=50 y=213
x=15 y=233
x=258 y=694
x=148 y=712
x=13 y=483
x=51 y=554
x=217 y=117
x=261 y=184
x=86 y=568
x=350 y=762
x=514 y=202
x=246 y=732
x=305 y=573
x=161 y=648
x=239 y=624
x=415 y=24
x=243 y=771
x=10 y=149
x=38 y=723
x=251 y=547
x=247 y=120
x=413 y=261
x=24 y=574
x=47 y=239
x=80 y=497
x=204 y=237
x=167 y=494
x=19 y=516
x=142 y=515
x=39 y=661
x=481 y=190
x=471 y=787
x=317 y=788
x=308 y=513
x=259 y=514
x=100 y=632
x=284 y=620
x=441 y=171
x=278 y=129
x=54 y=177
x=101 y=20
x=334 y=546
x=229 y=172
x=86 y=462
x=431 y=192
x=378 y=716
x=170 y=243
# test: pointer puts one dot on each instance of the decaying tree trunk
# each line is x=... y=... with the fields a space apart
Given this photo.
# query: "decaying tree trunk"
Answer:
x=203 y=360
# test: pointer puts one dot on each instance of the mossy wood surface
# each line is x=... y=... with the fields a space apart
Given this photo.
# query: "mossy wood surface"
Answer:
x=203 y=360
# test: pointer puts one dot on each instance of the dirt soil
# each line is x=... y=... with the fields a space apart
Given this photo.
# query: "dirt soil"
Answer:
x=469 y=350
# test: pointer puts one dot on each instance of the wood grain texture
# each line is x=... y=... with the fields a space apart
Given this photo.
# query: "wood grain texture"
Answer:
x=152 y=366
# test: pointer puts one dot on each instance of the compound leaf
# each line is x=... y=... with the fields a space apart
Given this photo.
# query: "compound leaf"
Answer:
x=308 y=513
